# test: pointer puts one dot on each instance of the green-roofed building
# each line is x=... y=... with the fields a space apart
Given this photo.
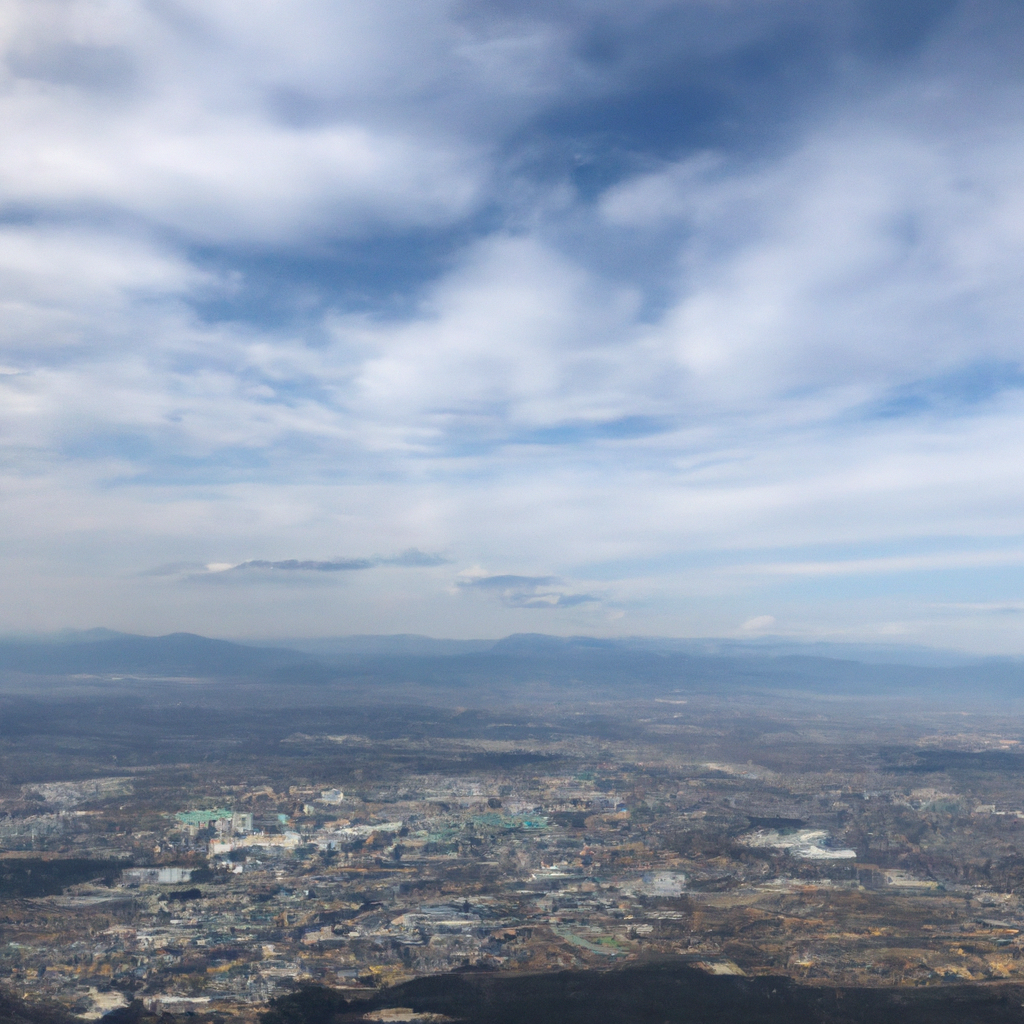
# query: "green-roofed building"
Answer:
x=201 y=818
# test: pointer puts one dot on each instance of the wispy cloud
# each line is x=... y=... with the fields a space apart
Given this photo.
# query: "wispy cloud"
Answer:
x=415 y=559
x=412 y=558
x=985 y=607
x=934 y=562
x=528 y=591
x=176 y=569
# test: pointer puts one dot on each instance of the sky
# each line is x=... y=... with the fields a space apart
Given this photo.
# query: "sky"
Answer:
x=465 y=318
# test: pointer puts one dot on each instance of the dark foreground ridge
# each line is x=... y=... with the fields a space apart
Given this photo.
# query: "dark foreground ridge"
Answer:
x=15 y=1011
x=657 y=994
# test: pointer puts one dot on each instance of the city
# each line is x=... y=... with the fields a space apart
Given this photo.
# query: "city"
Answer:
x=557 y=837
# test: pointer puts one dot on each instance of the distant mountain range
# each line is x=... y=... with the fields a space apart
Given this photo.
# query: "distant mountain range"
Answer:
x=104 y=652
x=623 y=667
x=413 y=644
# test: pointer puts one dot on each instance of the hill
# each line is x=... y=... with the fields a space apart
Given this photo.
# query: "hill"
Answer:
x=667 y=993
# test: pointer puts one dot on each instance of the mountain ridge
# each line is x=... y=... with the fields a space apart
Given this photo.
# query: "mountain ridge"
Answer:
x=611 y=667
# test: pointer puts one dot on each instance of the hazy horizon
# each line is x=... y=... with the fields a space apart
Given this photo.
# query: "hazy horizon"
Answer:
x=345 y=644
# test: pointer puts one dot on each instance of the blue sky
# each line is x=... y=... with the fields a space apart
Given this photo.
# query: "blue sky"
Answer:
x=465 y=318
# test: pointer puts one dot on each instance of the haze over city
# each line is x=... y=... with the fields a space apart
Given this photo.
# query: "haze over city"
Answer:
x=465 y=319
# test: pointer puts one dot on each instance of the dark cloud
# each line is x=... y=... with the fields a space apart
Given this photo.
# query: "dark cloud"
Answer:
x=295 y=565
x=412 y=558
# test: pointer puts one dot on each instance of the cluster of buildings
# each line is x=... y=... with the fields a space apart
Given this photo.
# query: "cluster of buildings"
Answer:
x=241 y=893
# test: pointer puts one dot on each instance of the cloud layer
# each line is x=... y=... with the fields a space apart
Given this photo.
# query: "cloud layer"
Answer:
x=672 y=317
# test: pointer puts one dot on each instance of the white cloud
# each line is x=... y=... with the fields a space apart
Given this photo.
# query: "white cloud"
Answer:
x=867 y=258
x=686 y=440
x=225 y=179
x=517 y=338
x=191 y=140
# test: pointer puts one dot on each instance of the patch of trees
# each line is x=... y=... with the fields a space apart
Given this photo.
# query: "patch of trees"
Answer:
x=184 y=895
x=29 y=877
